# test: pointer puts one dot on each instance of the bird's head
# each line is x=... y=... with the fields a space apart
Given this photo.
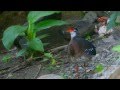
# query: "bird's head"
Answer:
x=72 y=31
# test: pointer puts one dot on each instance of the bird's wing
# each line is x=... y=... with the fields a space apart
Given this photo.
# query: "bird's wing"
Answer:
x=71 y=49
x=74 y=48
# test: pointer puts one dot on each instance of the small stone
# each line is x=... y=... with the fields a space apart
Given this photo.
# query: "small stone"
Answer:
x=50 y=76
x=9 y=75
x=88 y=70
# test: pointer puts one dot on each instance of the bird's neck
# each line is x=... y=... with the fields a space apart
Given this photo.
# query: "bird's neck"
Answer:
x=73 y=34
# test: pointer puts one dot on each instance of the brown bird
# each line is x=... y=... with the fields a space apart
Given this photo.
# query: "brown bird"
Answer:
x=80 y=47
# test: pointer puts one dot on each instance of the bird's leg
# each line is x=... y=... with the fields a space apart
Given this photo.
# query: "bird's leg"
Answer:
x=86 y=63
x=68 y=54
x=77 y=71
x=85 y=68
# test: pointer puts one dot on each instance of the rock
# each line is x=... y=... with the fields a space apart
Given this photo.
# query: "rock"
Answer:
x=116 y=33
x=84 y=26
x=50 y=76
x=109 y=39
x=73 y=15
x=116 y=74
x=91 y=16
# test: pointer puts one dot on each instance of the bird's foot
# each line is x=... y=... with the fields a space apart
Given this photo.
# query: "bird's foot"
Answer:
x=77 y=71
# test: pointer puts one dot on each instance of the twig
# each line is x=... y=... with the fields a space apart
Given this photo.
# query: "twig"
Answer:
x=3 y=52
x=38 y=72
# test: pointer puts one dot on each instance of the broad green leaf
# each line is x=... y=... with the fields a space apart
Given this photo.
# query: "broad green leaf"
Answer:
x=21 y=52
x=6 y=58
x=116 y=48
x=10 y=35
x=43 y=36
x=112 y=23
x=36 y=44
x=99 y=68
x=33 y=16
x=49 y=23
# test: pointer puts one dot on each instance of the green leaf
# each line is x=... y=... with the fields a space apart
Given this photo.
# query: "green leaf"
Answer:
x=49 y=23
x=99 y=68
x=53 y=61
x=112 y=23
x=10 y=35
x=88 y=37
x=6 y=58
x=36 y=44
x=48 y=55
x=21 y=52
x=33 y=16
x=116 y=48
x=118 y=19
x=43 y=36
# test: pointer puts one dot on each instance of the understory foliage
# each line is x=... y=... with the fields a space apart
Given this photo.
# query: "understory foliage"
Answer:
x=114 y=22
x=34 y=42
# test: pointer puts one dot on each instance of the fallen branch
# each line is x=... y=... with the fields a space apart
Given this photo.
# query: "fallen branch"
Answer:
x=15 y=68
x=55 y=50
x=4 y=51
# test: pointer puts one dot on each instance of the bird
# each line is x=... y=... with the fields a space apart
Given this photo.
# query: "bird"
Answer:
x=79 y=46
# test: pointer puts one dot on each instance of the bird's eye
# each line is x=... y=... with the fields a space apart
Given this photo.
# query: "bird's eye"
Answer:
x=76 y=29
